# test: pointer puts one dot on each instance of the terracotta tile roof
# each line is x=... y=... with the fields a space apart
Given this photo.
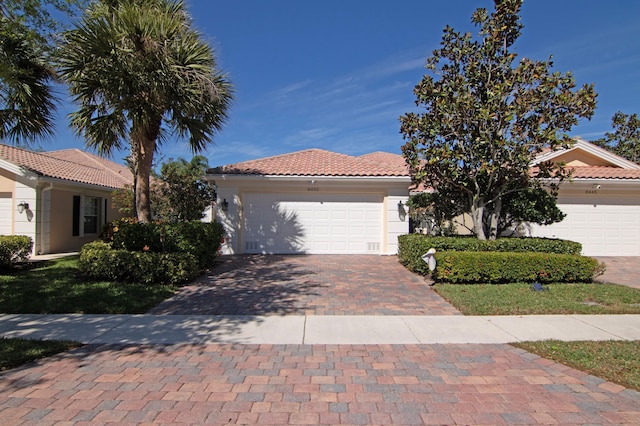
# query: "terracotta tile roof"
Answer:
x=70 y=164
x=386 y=157
x=318 y=162
x=605 y=172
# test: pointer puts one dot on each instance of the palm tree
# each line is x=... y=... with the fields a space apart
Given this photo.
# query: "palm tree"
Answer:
x=137 y=69
x=26 y=99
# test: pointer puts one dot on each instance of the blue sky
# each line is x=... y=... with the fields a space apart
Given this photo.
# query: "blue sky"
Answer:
x=337 y=74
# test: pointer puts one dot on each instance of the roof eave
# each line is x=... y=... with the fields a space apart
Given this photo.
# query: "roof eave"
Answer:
x=298 y=178
x=49 y=179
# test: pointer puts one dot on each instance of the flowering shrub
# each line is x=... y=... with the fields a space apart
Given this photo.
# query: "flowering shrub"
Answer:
x=156 y=252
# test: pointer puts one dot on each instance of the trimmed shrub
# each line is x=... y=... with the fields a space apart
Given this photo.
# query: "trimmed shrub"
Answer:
x=99 y=260
x=14 y=249
x=412 y=246
x=501 y=267
x=200 y=239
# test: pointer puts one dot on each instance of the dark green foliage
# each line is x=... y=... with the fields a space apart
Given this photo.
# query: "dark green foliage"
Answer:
x=27 y=37
x=625 y=138
x=487 y=115
x=14 y=249
x=139 y=71
x=98 y=260
x=435 y=209
x=200 y=239
x=155 y=252
x=183 y=192
x=533 y=205
x=500 y=267
x=412 y=246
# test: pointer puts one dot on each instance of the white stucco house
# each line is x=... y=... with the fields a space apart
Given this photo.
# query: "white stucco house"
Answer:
x=601 y=201
x=316 y=201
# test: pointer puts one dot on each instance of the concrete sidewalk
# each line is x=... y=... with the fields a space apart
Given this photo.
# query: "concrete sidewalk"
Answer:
x=327 y=329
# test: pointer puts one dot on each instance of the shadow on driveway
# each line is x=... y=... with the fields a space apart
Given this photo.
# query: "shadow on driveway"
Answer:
x=307 y=285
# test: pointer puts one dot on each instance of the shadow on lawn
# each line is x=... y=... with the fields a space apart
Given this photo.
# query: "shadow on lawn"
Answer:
x=246 y=285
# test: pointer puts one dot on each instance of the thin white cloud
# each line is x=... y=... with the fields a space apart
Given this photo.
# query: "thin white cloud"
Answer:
x=294 y=87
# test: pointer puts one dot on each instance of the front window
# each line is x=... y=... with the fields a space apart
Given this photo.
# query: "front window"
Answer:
x=90 y=215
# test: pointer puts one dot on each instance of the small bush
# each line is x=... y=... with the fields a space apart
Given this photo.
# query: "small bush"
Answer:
x=99 y=260
x=14 y=249
x=499 y=267
x=200 y=239
x=412 y=246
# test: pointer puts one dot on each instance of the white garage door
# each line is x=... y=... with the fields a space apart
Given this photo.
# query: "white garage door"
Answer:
x=5 y=214
x=314 y=223
x=603 y=230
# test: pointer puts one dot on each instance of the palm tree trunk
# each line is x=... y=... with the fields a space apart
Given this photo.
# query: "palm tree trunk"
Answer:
x=146 y=147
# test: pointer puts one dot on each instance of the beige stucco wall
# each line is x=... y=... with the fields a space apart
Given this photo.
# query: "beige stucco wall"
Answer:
x=578 y=157
x=61 y=237
x=7 y=189
x=7 y=181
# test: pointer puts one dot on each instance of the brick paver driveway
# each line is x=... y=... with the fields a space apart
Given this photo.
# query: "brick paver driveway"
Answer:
x=308 y=285
x=304 y=384
x=623 y=270
x=308 y=384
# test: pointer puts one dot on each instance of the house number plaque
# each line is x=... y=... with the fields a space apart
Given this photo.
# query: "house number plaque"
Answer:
x=313 y=189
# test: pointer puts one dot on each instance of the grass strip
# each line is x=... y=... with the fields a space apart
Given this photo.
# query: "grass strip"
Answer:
x=53 y=287
x=15 y=352
x=615 y=361
x=520 y=299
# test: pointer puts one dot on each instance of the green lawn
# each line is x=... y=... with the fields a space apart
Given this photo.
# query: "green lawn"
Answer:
x=53 y=287
x=520 y=299
x=618 y=362
x=15 y=352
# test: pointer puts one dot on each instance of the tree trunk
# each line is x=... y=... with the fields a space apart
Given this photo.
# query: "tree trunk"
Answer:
x=494 y=218
x=146 y=147
x=477 y=213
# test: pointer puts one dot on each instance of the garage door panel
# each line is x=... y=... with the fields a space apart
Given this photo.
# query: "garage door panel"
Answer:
x=313 y=223
x=603 y=230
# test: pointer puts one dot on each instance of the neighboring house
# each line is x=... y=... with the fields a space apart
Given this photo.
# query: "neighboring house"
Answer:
x=602 y=201
x=60 y=199
x=314 y=201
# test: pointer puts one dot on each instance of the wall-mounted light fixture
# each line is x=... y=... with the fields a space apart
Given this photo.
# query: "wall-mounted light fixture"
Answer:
x=402 y=212
x=596 y=186
x=224 y=205
x=22 y=206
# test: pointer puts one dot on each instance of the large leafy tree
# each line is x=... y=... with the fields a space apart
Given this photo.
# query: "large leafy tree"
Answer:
x=139 y=70
x=27 y=37
x=179 y=193
x=487 y=116
x=185 y=191
x=625 y=138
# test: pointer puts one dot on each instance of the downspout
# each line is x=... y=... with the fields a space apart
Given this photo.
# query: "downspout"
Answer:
x=45 y=189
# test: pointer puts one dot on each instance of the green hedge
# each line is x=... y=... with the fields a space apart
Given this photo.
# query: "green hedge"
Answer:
x=99 y=260
x=14 y=249
x=496 y=267
x=412 y=246
x=200 y=239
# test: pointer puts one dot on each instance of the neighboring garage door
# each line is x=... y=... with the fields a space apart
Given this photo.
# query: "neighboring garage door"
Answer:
x=603 y=229
x=315 y=223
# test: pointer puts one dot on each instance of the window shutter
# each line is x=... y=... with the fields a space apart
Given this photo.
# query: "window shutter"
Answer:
x=76 y=216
